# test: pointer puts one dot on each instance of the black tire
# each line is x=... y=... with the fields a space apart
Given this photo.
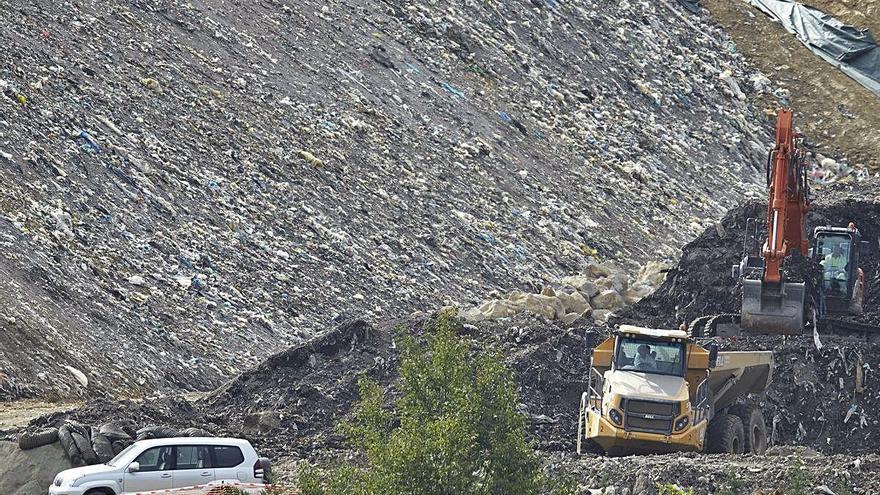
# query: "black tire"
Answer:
x=156 y=432
x=195 y=432
x=65 y=436
x=585 y=445
x=100 y=491
x=115 y=430
x=725 y=435
x=85 y=448
x=267 y=469
x=754 y=427
x=102 y=446
x=28 y=441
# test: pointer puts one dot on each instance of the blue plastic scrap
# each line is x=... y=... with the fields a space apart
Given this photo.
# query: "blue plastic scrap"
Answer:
x=90 y=141
x=451 y=89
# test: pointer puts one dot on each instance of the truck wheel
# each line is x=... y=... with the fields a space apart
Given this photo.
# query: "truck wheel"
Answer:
x=755 y=440
x=589 y=446
x=586 y=445
x=726 y=435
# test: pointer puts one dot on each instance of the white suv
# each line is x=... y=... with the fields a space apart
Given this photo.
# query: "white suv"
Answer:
x=164 y=464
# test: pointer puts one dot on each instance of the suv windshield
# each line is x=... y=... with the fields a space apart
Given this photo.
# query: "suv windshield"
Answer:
x=650 y=356
x=116 y=460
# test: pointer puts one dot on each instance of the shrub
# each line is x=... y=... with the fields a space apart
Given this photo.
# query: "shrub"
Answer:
x=799 y=482
x=454 y=430
x=670 y=489
x=279 y=490
x=732 y=484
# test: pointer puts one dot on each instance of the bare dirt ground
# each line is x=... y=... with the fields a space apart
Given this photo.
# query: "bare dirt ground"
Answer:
x=17 y=414
x=861 y=13
x=837 y=114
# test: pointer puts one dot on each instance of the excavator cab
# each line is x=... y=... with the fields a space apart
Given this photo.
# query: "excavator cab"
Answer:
x=837 y=250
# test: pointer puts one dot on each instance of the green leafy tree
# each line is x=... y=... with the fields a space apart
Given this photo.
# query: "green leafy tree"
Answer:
x=454 y=430
x=799 y=481
x=670 y=489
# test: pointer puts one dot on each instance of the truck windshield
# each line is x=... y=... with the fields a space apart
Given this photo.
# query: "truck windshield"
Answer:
x=651 y=356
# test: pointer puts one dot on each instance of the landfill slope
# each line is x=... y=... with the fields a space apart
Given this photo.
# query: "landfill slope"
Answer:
x=190 y=186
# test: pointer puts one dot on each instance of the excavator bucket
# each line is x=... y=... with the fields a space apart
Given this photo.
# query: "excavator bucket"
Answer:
x=770 y=309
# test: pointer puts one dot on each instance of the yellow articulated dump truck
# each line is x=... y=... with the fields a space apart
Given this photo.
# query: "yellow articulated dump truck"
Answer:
x=655 y=391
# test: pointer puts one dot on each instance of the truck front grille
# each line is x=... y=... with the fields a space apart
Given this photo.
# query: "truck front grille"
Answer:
x=649 y=416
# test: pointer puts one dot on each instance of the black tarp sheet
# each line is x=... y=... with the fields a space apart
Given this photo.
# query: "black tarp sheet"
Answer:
x=692 y=5
x=853 y=51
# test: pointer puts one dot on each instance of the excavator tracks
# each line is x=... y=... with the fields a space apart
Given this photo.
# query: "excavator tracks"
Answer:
x=846 y=327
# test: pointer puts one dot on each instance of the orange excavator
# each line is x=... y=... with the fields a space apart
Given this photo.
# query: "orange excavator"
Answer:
x=777 y=299
x=771 y=302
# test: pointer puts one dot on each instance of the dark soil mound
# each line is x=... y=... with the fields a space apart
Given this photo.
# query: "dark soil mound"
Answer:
x=819 y=397
x=702 y=283
x=308 y=389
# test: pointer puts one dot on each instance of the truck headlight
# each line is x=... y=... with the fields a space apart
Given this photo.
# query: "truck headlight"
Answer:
x=682 y=423
x=615 y=416
x=58 y=481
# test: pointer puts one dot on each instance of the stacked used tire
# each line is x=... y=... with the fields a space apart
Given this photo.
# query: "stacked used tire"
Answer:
x=164 y=432
x=91 y=445
x=86 y=445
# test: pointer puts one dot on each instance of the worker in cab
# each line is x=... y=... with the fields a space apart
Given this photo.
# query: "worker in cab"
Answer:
x=644 y=359
x=834 y=264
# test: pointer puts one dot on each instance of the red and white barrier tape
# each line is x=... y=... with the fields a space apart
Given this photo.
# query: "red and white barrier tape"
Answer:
x=213 y=488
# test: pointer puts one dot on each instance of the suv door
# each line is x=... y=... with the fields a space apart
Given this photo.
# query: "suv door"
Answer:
x=154 y=473
x=192 y=466
x=228 y=460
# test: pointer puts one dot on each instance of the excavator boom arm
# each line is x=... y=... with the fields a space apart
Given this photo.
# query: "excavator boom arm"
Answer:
x=788 y=202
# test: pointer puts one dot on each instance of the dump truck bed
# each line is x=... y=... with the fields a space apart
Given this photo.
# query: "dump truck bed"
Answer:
x=739 y=373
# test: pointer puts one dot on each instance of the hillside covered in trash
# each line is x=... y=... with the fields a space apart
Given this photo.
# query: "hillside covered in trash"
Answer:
x=189 y=187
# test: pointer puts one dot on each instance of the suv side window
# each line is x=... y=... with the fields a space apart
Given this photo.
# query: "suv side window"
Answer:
x=227 y=456
x=155 y=459
x=192 y=457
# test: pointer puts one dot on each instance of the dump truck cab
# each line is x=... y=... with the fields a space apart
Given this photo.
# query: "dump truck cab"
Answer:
x=653 y=391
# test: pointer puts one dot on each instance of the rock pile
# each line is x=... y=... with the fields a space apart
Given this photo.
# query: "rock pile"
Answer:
x=182 y=179
x=781 y=471
x=599 y=291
